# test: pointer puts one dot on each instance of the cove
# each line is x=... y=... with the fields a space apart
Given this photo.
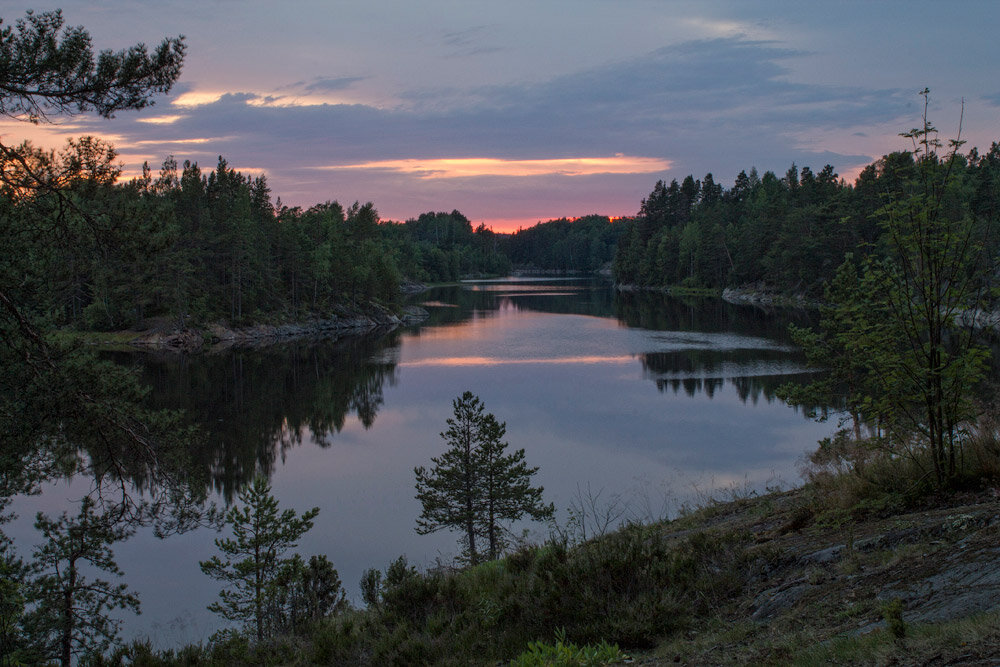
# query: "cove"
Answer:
x=641 y=397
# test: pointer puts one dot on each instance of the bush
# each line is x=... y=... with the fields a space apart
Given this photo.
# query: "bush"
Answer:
x=626 y=589
x=560 y=654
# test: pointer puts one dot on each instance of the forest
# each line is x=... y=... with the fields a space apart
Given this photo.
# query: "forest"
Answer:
x=192 y=245
x=788 y=234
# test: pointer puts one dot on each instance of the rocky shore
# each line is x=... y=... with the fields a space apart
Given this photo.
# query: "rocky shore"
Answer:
x=819 y=582
x=762 y=297
x=218 y=335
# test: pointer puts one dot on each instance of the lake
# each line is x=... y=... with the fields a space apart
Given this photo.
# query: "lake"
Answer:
x=636 y=401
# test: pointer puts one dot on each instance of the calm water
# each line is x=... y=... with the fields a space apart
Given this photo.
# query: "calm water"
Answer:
x=651 y=399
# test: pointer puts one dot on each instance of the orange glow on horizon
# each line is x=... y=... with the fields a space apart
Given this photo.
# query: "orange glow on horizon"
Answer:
x=511 y=225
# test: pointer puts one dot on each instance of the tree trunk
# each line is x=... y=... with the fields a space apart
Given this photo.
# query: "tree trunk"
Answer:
x=66 y=653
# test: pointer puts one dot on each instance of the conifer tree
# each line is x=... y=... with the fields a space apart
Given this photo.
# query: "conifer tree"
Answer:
x=506 y=493
x=253 y=564
x=475 y=486
x=70 y=610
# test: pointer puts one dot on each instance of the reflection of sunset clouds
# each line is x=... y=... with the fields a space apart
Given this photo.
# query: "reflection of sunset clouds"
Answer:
x=507 y=289
x=438 y=304
x=496 y=361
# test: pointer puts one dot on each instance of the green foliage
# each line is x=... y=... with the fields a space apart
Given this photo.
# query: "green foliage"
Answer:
x=48 y=73
x=61 y=411
x=892 y=611
x=849 y=380
x=788 y=233
x=14 y=645
x=476 y=487
x=305 y=593
x=265 y=591
x=568 y=654
x=70 y=612
x=371 y=587
x=628 y=588
x=903 y=354
x=583 y=244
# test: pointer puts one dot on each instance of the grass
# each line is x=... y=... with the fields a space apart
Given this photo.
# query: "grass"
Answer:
x=105 y=340
x=950 y=643
x=745 y=642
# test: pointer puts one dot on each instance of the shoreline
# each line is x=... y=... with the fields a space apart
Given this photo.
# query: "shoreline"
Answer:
x=218 y=336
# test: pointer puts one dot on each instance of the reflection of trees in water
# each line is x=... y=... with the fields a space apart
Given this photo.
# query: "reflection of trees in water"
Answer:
x=252 y=406
x=750 y=388
x=641 y=309
x=576 y=297
x=703 y=361
x=754 y=373
x=662 y=312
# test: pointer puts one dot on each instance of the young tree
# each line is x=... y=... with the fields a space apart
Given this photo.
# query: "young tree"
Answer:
x=848 y=382
x=933 y=278
x=928 y=377
x=306 y=591
x=70 y=612
x=253 y=565
x=912 y=347
x=506 y=493
x=474 y=487
x=14 y=573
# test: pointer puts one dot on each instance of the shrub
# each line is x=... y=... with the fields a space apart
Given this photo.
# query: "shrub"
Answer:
x=562 y=653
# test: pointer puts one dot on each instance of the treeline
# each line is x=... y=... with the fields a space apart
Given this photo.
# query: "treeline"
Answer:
x=443 y=247
x=183 y=244
x=584 y=244
x=787 y=233
x=193 y=245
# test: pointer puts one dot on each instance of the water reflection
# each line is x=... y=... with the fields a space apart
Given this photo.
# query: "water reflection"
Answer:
x=755 y=373
x=252 y=406
x=600 y=388
x=661 y=312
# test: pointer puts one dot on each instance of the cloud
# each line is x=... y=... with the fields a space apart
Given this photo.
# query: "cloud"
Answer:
x=718 y=105
x=723 y=98
x=333 y=84
x=469 y=42
x=473 y=167
x=160 y=120
x=178 y=142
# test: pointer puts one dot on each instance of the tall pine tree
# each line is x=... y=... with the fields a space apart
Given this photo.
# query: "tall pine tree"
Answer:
x=475 y=486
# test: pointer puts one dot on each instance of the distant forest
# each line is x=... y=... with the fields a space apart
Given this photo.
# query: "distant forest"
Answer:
x=194 y=245
x=787 y=234
x=188 y=244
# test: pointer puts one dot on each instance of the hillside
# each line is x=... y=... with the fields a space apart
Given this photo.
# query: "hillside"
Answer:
x=820 y=591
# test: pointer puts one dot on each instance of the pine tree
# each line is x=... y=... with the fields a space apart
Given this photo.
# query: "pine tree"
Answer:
x=70 y=611
x=506 y=491
x=14 y=648
x=475 y=487
x=253 y=562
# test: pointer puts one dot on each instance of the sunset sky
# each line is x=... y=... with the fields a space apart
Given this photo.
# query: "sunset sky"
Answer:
x=519 y=111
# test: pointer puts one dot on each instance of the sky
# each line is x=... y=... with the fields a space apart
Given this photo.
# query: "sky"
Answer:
x=528 y=110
